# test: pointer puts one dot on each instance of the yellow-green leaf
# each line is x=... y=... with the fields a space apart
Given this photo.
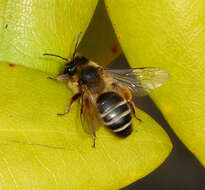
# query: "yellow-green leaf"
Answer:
x=169 y=35
x=30 y=28
x=40 y=150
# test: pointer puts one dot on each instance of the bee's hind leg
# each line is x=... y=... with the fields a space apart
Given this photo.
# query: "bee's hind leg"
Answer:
x=73 y=99
x=94 y=137
x=133 y=110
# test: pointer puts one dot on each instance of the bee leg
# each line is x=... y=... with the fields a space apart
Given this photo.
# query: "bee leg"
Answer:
x=60 y=77
x=81 y=109
x=73 y=99
x=133 y=110
x=94 y=137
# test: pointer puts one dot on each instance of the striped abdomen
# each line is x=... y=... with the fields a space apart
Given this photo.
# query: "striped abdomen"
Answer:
x=115 y=113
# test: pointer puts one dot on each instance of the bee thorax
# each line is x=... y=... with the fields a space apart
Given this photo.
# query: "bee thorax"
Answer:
x=90 y=77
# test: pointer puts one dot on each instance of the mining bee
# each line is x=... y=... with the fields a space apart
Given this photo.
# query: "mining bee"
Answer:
x=106 y=94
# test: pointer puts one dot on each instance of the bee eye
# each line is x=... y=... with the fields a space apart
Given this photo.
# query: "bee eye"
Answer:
x=69 y=70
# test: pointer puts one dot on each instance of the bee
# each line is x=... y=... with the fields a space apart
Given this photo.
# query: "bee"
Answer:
x=106 y=94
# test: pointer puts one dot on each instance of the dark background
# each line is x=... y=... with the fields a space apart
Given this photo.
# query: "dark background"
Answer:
x=181 y=170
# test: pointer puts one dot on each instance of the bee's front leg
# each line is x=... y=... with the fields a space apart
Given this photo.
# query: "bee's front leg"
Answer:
x=73 y=99
x=60 y=77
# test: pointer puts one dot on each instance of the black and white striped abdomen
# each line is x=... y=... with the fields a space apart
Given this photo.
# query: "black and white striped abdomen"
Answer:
x=115 y=113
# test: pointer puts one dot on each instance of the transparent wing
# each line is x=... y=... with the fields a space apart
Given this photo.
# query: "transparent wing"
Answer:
x=88 y=114
x=140 y=81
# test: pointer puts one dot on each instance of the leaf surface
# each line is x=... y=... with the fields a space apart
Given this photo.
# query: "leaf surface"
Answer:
x=30 y=28
x=51 y=152
x=169 y=35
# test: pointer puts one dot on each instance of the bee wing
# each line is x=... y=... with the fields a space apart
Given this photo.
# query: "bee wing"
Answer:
x=88 y=114
x=140 y=81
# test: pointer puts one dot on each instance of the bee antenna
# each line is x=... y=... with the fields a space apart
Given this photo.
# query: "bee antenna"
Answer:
x=76 y=44
x=49 y=54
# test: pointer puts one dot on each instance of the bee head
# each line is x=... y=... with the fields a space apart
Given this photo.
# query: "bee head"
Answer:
x=70 y=67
